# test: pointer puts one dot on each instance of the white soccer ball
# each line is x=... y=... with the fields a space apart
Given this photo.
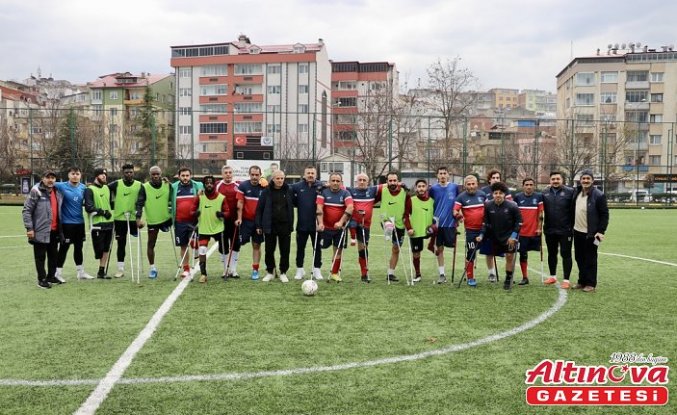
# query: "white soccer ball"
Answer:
x=309 y=287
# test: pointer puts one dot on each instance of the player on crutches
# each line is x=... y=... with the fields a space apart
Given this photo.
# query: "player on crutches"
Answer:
x=334 y=210
x=154 y=201
x=129 y=242
x=422 y=219
x=469 y=209
x=396 y=205
x=364 y=197
x=124 y=195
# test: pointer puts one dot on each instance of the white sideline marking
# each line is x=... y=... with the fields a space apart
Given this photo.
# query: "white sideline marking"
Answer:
x=104 y=386
x=640 y=259
x=561 y=300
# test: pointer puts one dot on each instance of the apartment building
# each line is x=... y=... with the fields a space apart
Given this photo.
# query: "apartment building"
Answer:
x=240 y=100
x=624 y=96
x=505 y=98
x=538 y=101
x=116 y=102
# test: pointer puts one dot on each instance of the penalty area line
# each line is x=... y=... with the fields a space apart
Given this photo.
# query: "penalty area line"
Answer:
x=113 y=376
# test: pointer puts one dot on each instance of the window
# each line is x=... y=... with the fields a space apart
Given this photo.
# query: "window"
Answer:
x=655 y=160
x=347 y=102
x=608 y=118
x=608 y=97
x=303 y=89
x=247 y=107
x=184 y=92
x=584 y=119
x=273 y=108
x=113 y=112
x=585 y=99
x=636 y=96
x=302 y=128
x=244 y=90
x=274 y=89
x=299 y=48
x=345 y=119
x=303 y=68
x=347 y=85
x=214 y=70
x=248 y=69
x=113 y=95
x=332 y=167
x=213 y=108
x=655 y=139
x=608 y=77
x=656 y=76
x=248 y=127
x=184 y=72
x=656 y=118
x=585 y=79
x=638 y=76
x=184 y=110
x=214 y=128
x=96 y=95
x=273 y=128
x=185 y=129
x=636 y=116
x=657 y=97
x=303 y=108
x=274 y=69
x=214 y=90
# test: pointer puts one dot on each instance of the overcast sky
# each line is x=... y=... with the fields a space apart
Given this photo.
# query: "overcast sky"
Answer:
x=512 y=44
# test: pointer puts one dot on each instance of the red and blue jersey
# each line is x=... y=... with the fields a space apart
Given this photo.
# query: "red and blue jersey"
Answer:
x=186 y=197
x=333 y=205
x=472 y=208
x=444 y=198
x=249 y=194
x=490 y=195
x=531 y=207
x=363 y=199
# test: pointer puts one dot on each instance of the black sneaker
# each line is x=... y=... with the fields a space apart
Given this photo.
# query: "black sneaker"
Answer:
x=507 y=284
x=54 y=281
x=102 y=276
x=365 y=279
x=442 y=279
x=392 y=278
x=44 y=284
x=525 y=281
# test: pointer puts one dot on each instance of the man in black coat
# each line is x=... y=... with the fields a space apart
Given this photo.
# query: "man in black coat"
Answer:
x=590 y=218
x=275 y=220
x=558 y=227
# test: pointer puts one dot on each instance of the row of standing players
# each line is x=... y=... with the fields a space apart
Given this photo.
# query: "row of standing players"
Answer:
x=236 y=214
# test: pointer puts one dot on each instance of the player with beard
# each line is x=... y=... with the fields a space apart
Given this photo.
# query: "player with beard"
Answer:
x=493 y=176
x=364 y=197
x=248 y=194
x=227 y=187
x=210 y=207
x=124 y=193
x=184 y=193
x=154 y=197
x=422 y=208
x=334 y=209
x=97 y=204
x=395 y=204
x=444 y=195
x=469 y=207
x=530 y=204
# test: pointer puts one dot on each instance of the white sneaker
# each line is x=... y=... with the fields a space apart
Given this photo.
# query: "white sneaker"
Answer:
x=317 y=274
x=268 y=277
x=300 y=273
x=185 y=274
x=58 y=276
x=120 y=273
x=82 y=275
x=283 y=278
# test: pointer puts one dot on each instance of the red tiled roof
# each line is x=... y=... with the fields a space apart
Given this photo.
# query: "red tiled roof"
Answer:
x=111 y=80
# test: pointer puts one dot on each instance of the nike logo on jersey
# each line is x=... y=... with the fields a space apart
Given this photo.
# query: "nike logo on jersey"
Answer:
x=391 y=203
x=208 y=206
x=158 y=196
x=126 y=194
x=426 y=209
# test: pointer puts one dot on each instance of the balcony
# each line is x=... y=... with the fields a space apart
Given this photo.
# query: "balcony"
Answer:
x=637 y=106
x=637 y=85
x=137 y=101
x=642 y=168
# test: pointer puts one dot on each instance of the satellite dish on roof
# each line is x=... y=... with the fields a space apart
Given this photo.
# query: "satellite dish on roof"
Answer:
x=639 y=44
x=623 y=46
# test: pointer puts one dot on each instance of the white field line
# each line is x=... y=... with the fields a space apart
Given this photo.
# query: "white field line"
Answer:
x=106 y=384
x=640 y=259
x=561 y=301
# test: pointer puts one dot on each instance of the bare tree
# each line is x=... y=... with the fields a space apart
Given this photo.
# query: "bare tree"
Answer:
x=576 y=147
x=450 y=85
x=8 y=151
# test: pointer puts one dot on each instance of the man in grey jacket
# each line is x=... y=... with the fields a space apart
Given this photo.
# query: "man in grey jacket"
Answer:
x=41 y=220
